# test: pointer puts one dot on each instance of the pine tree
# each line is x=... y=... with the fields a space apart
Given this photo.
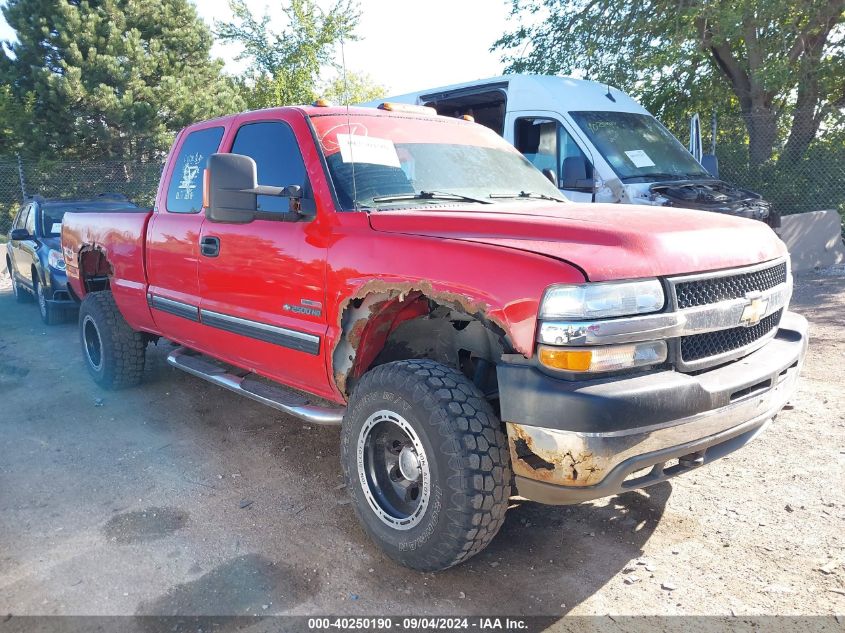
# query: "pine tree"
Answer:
x=111 y=79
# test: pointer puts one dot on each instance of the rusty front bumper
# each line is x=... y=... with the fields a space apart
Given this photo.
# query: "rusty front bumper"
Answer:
x=568 y=462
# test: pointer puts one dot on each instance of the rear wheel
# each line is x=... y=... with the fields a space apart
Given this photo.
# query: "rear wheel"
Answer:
x=114 y=353
x=21 y=295
x=426 y=463
x=49 y=313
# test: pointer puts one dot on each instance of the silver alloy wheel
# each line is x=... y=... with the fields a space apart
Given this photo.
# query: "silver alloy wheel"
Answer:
x=393 y=470
x=42 y=298
x=92 y=342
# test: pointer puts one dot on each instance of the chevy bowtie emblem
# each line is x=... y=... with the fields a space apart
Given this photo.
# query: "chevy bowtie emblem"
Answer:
x=754 y=310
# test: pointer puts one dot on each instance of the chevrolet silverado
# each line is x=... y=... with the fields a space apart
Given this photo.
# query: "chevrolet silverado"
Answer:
x=413 y=279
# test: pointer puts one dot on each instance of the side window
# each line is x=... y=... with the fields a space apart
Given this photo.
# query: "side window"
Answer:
x=30 y=220
x=547 y=144
x=273 y=147
x=20 y=220
x=184 y=193
x=536 y=139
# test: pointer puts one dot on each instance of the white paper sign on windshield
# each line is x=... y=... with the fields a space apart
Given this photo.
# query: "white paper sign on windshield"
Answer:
x=639 y=158
x=56 y=228
x=355 y=148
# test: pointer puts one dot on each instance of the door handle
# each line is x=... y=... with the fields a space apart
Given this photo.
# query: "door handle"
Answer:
x=210 y=246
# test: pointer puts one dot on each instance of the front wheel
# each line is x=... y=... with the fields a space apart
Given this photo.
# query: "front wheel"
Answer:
x=114 y=353
x=426 y=463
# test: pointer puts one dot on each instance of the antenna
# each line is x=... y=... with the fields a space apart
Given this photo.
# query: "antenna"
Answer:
x=349 y=125
x=610 y=96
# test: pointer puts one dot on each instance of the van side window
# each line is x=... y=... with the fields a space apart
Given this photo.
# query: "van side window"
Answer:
x=547 y=144
x=184 y=194
x=487 y=107
x=273 y=147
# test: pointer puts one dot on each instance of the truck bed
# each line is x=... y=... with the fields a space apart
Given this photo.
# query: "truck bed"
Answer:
x=89 y=240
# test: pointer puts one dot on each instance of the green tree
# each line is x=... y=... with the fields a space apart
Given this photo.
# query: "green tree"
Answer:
x=111 y=78
x=776 y=60
x=285 y=66
x=358 y=87
x=14 y=113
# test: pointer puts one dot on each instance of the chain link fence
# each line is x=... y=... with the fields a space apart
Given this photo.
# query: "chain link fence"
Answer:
x=814 y=181
x=72 y=179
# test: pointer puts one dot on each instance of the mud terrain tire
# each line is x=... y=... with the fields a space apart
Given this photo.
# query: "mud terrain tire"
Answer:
x=418 y=417
x=114 y=353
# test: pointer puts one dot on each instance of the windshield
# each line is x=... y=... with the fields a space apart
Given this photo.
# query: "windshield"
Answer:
x=52 y=213
x=637 y=147
x=412 y=161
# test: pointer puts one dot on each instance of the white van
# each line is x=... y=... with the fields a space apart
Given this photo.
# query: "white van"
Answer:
x=593 y=141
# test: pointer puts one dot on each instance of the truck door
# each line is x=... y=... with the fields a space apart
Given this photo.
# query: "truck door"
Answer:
x=173 y=236
x=546 y=142
x=262 y=283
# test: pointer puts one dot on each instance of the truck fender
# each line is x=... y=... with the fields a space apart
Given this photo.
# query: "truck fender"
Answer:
x=385 y=321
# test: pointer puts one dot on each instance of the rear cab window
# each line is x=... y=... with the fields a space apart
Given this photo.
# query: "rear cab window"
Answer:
x=184 y=192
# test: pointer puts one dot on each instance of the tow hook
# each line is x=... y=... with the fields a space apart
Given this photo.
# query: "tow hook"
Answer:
x=693 y=460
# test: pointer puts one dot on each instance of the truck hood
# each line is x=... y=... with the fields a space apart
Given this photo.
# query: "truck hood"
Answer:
x=606 y=241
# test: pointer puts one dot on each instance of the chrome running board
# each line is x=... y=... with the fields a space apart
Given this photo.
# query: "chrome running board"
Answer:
x=246 y=384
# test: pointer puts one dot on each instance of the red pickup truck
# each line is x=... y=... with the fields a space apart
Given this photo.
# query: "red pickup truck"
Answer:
x=413 y=279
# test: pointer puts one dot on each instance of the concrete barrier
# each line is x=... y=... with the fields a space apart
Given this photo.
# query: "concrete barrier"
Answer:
x=814 y=239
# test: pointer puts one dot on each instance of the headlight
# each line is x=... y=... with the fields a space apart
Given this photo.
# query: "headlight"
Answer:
x=56 y=260
x=600 y=300
x=603 y=358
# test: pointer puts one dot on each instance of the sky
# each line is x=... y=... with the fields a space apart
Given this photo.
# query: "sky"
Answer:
x=405 y=45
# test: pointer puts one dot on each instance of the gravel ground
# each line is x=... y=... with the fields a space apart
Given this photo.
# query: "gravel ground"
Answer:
x=180 y=498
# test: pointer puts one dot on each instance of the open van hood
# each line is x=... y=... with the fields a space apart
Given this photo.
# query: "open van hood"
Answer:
x=606 y=241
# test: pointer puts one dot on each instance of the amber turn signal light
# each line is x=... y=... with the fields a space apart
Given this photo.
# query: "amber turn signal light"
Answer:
x=566 y=359
x=206 y=187
x=603 y=357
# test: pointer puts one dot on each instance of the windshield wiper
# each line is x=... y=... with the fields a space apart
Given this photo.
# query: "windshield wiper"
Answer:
x=527 y=194
x=428 y=195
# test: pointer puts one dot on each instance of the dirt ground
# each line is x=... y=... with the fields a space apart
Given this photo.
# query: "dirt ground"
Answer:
x=177 y=497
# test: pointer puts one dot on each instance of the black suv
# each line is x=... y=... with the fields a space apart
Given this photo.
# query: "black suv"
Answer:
x=34 y=251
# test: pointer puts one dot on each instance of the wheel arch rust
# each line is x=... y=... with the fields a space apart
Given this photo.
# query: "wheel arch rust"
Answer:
x=369 y=316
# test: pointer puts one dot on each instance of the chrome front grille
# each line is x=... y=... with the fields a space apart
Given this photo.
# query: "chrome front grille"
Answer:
x=699 y=292
x=762 y=290
x=710 y=318
x=715 y=344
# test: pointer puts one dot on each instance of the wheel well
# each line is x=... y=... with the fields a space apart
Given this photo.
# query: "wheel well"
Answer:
x=94 y=270
x=382 y=327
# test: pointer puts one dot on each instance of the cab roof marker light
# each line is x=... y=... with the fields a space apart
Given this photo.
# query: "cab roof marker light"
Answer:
x=321 y=103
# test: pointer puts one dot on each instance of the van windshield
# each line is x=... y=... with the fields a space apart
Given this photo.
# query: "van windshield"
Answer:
x=637 y=147
x=405 y=161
